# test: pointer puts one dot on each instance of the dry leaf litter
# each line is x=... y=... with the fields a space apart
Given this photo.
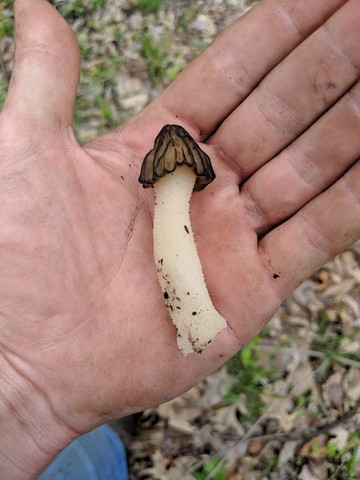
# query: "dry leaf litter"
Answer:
x=308 y=423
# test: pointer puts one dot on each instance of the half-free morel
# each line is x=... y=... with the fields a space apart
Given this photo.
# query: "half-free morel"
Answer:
x=175 y=167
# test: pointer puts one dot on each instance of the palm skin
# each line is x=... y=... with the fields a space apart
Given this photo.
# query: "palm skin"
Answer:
x=83 y=304
x=82 y=316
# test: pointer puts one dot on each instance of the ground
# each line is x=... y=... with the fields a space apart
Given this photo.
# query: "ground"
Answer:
x=287 y=406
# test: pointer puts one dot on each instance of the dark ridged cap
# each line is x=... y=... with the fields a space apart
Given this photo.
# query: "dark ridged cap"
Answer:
x=174 y=147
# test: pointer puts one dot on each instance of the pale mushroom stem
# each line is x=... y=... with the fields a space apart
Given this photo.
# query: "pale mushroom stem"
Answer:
x=178 y=264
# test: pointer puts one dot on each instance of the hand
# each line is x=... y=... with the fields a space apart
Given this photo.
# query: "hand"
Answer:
x=84 y=332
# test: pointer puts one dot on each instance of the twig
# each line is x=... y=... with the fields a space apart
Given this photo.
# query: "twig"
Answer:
x=312 y=353
x=305 y=435
x=244 y=440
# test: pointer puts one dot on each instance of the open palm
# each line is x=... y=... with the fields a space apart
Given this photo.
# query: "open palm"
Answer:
x=82 y=316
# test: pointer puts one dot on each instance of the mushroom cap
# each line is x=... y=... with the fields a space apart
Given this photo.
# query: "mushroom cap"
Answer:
x=174 y=147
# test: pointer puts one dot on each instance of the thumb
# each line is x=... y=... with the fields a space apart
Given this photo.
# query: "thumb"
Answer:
x=46 y=70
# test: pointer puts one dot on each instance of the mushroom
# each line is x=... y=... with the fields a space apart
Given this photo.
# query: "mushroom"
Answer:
x=175 y=167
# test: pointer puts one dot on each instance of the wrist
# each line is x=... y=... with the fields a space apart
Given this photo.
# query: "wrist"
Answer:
x=31 y=435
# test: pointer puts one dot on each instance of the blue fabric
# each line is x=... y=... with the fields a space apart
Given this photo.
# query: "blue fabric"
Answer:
x=98 y=455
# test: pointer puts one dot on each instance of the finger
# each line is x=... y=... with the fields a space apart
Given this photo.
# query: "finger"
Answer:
x=294 y=94
x=307 y=167
x=323 y=228
x=46 y=69
x=225 y=73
